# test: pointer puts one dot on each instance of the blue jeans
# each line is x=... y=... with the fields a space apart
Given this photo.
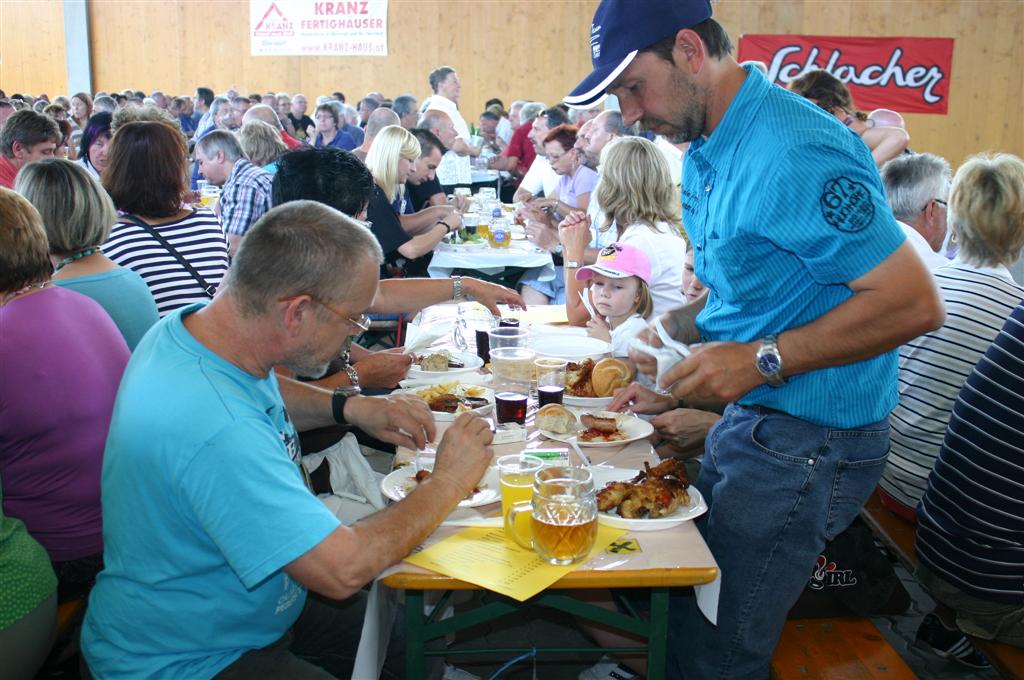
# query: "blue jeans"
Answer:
x=777 y=487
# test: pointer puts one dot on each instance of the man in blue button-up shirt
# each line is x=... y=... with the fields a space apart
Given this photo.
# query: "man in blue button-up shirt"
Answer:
x=811 y=287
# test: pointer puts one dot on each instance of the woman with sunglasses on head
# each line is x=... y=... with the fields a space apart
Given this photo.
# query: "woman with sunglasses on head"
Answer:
x=640 y=205
x=829 y=93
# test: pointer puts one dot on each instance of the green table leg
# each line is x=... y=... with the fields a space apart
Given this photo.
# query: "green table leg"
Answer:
x=657 y=639
x=414 y=635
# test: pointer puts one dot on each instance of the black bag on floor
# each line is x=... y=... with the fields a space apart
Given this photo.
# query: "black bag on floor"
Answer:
x=852 y=577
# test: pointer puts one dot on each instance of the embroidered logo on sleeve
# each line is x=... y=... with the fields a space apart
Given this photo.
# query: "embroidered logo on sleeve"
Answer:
x=846 y=204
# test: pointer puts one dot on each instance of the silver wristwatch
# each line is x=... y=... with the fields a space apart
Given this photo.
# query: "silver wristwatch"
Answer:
x=458 y=295
x=353 y=376
x=769 y=362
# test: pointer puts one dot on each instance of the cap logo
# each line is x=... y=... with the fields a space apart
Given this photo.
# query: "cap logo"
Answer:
x=595 y=41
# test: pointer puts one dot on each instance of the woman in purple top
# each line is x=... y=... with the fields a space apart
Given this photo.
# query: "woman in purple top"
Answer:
x=62 y=358
x=576 y=180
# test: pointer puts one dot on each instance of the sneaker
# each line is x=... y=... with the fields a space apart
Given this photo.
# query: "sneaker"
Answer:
x=607 y=669
x=453 y=673
x=950 y=644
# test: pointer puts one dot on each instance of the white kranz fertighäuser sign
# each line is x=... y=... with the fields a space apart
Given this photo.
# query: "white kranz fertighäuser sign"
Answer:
x=314 y=28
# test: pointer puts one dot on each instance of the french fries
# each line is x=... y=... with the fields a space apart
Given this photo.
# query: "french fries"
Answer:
x=454 y=387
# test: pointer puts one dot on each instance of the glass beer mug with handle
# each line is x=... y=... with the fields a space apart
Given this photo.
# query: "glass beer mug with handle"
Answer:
x=563 y=515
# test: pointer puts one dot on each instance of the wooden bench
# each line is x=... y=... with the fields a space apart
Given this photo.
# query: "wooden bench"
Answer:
x=895 y=532
x=836 y=649
x=68 y=613
x=898 y=536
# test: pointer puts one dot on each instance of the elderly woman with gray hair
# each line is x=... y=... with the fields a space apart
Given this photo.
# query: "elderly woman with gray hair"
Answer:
x=78 y=214
x=986 y=214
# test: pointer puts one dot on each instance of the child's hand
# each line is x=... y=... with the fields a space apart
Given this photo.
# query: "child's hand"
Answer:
x=597 y=327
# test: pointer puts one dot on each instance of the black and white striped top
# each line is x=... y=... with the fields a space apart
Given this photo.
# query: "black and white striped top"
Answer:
x=971 y=519
x=933 y=368
x=197 y=237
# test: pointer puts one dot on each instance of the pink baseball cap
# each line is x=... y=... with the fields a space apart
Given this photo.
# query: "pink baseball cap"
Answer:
x=618 y=261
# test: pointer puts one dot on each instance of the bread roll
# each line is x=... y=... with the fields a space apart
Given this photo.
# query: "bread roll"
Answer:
x=609 y=375
x=556 y=418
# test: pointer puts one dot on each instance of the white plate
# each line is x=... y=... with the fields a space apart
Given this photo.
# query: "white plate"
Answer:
x=401 y=482
x=634 y=428
x=472 y=364
x=695 y=508
x=601 y=403
x=445 y=417
x=572 y=347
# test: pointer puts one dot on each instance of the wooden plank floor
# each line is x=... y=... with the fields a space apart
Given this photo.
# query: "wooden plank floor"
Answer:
x=836 y=649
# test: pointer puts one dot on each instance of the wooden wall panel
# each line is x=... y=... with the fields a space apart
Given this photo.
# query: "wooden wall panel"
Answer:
x=515 y=49
x=32 y=57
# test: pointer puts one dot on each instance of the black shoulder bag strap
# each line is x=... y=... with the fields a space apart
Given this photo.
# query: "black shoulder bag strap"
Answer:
x=207 y=287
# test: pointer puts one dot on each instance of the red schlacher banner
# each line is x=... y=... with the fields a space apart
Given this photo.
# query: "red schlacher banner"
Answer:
x=909 y=75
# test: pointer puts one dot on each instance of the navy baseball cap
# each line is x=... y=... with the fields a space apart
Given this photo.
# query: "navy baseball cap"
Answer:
x=620 y=29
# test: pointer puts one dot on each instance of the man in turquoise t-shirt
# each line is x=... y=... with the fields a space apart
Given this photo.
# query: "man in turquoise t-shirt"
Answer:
x=811 y=287
x=211 y=537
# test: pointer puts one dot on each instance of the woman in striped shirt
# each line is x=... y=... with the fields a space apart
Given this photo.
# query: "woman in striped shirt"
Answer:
x=179 y=251
x=987 y=220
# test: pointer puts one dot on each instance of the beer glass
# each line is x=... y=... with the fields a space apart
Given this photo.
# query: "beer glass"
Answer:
x=563 y=515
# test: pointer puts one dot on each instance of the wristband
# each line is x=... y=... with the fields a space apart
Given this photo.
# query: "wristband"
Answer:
x=338 y=399
x=447 y=227
x=457 y=292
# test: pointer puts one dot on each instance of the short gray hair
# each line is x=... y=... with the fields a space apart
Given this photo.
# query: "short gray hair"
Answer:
x=222 y=141
x=104 y=103
x=613 y=123
x=404 y=104
x=530 y=111
x=912 y=180
x=380 y=119
x=299 y=248
x=217 y=104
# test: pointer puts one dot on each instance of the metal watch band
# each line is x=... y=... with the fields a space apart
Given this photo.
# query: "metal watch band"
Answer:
x=353 y=376
x=458 y=294
x=768 y=353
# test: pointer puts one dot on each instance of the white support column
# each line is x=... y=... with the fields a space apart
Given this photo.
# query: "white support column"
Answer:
x=76 y=43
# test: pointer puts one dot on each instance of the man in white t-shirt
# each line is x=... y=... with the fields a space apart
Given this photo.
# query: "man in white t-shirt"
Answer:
x=917 y=188
x=540 y=179
x=455 y=167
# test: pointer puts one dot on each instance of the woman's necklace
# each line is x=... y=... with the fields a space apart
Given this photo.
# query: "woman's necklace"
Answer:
x=24 y=290
x=77 y=256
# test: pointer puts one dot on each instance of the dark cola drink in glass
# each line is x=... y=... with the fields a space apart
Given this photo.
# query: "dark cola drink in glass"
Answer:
x=511 y=407
x=483 y=345
x=549 y=394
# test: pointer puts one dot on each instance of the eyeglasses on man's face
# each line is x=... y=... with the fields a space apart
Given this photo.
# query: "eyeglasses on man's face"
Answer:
x=362 y=322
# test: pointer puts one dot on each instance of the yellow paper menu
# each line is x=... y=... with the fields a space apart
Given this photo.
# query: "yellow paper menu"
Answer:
x=485 y=557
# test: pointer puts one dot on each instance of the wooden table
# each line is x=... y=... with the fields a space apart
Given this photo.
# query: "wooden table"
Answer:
x=669 y=558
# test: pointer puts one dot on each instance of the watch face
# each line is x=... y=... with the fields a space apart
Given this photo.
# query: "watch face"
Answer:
x=769 y=364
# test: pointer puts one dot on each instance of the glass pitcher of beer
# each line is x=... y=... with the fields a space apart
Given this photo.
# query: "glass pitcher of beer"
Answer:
x=563 y=515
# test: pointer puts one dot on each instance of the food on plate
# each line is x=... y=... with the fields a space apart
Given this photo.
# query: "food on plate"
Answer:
x=556 y=418
x=601 y=379
x=453 y=397
x=423 y=475
x=577 y=378
x=656 y=492
x=609 y=375
x=602 y=426
x=600 y=422
x=440 y=361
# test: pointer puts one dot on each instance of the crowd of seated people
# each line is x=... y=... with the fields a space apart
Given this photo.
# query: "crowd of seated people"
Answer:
x=104 y=239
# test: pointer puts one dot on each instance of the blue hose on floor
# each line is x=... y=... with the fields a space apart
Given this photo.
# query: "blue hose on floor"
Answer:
x=530 y=654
